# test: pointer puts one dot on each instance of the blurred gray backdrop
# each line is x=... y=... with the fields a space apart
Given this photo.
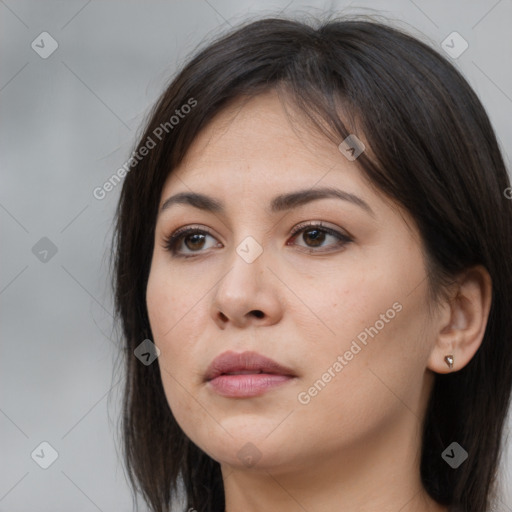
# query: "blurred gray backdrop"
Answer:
x=76 y=81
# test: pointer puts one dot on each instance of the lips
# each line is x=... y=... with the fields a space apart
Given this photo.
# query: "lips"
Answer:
x=246 y=375
x=245 y=363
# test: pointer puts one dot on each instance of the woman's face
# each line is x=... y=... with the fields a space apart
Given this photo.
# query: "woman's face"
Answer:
x=343 y=310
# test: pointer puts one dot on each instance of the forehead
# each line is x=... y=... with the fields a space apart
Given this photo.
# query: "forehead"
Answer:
x=259 y=139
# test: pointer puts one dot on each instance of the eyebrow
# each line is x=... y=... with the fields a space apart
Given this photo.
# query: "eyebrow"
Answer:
x=279 y=203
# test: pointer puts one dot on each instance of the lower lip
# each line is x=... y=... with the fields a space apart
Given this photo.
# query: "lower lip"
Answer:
x=247 y=385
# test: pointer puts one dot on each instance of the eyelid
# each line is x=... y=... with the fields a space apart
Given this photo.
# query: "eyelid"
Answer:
x=339 y=232
x=170 y=241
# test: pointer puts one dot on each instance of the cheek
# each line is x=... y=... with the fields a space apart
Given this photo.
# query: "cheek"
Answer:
x=174 y=304
x=176 y=314
x=373 y=386
x=384 y=345
x=376 y=320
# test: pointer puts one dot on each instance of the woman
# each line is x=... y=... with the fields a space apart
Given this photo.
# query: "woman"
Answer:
x=314 y=234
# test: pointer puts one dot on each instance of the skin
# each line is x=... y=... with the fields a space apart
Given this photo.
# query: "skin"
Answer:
x=356 y=445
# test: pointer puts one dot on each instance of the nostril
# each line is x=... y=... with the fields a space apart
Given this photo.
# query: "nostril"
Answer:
x=257 y=313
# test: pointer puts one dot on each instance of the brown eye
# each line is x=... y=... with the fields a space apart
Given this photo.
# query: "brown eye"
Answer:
x=193 y=239
x=314 y=235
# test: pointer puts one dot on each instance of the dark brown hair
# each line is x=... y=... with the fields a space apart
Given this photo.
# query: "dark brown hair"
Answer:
x=433 y=151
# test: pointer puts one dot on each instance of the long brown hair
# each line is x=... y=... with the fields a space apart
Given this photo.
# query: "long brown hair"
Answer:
x=434 y=152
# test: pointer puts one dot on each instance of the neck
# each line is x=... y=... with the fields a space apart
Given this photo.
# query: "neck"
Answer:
x=377 y=474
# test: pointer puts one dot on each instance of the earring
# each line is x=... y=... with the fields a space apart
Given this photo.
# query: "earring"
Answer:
x=449 y=360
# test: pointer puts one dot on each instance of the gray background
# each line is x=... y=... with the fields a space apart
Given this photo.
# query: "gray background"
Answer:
x=67 y=123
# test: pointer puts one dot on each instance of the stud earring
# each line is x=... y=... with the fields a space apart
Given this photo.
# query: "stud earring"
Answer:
x=449 y=361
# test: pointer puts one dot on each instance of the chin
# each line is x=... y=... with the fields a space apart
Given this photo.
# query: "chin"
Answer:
x=245 y=455
x=248 y=446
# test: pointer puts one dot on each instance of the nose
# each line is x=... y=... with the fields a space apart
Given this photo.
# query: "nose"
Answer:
x=248 y=293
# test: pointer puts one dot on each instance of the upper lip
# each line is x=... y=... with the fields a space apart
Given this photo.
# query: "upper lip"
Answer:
x=229 y=362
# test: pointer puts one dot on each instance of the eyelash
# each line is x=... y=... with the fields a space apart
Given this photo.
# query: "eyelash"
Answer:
x=171 y=241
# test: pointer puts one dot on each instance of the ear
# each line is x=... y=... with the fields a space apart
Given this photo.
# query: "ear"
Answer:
x=462 y=321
